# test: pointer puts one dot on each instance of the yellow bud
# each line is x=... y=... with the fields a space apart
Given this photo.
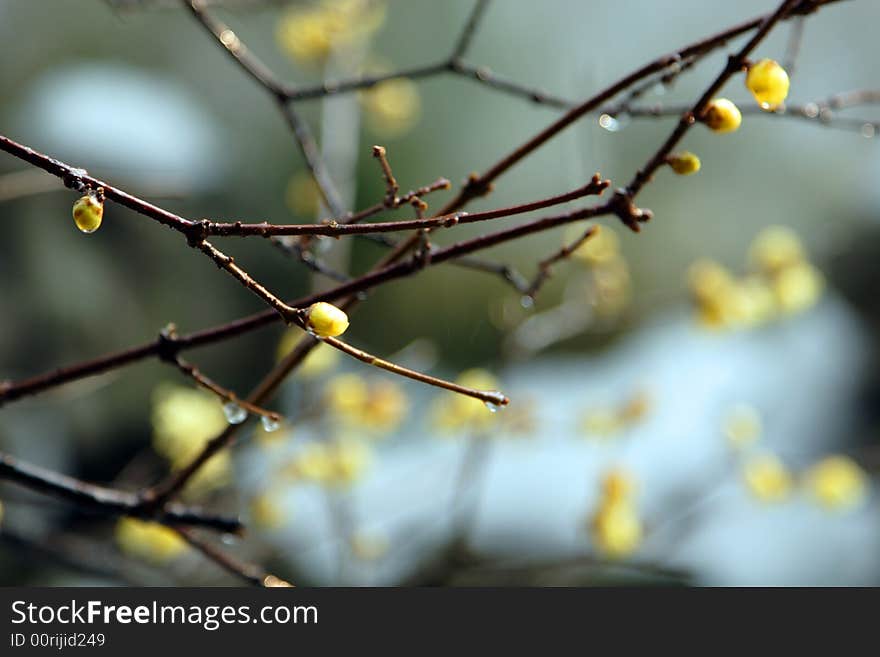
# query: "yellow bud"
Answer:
x=617 y=529
x=722 y=116
x=149 y=540
x=768 y=82
x=88 y=212
x=774 y=249
x=797 y=288
x=617 y=486
x=767 y=478
x=326 y=320
x=684 y=163
x=602 y=247
x=837 y=482
x=393 y=107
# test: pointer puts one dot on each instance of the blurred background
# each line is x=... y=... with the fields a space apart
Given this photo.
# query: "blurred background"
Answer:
x=695 y=404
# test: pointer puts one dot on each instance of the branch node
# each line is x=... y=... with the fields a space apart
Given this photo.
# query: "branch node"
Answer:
x=621 y=204
x=168 y=345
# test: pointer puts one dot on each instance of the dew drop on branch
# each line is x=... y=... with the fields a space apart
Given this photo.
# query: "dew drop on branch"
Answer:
x=234 y=413
x=270 y=424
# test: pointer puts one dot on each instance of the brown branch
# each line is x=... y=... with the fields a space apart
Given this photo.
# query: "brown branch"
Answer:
x=106 y=500
x=734 y=64
x=480 y=185
x=248 y=572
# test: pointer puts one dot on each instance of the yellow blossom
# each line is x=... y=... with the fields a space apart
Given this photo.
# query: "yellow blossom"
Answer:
x=184 y=420
x=88 y=211
x=311 y=34
x=320 y=360
x=617 y=529
x=768 y=82
x=776 y=248
x=837 y=482
x=267 y=512
x=684 y=163
x=393 y=107
x=601 y=248
x=767 y=478
x=722 y=116
x=797 y=288
x=149 y=540
x=452 y=411
x=326 y=320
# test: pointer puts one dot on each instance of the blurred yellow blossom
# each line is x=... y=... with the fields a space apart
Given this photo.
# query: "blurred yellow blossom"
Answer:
x=615 y=526
x=774 y=249
x=767 y=478
x=837 y=482
x=455 y=412
x=267 y=511
x=742 y=426
x=602 y=247
x=149 y=540
x=783 y=282
x=607 y=421
x=338 y=462
x=393 y=107
x=375 y=405
x=797 y=288
x=184 y=420
x=617 y=486
x=319 y=361
x=309 y=34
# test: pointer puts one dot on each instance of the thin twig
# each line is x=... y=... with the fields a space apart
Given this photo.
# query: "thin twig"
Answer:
x=106 y=500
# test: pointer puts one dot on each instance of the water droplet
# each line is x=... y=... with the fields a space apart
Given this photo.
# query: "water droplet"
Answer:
x=609 y=123
x=492 y=406
x=811 y=110
x=270 y=424
x=868 y=130
x=234 y=413
x=229 y=539
x=527 y=302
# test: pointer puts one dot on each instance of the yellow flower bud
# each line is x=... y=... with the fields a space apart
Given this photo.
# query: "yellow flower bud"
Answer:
x=837 y=482
x=617 y=529
x=774 y=249
x=88 y=212
x=767 y=478
x=267 y=512
x=722 y=116
x=326 y=320
x=798 y=288
x=602 y=247
x=684 y=163
x=149 y=540
x=768 y=82
x=617 y=486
